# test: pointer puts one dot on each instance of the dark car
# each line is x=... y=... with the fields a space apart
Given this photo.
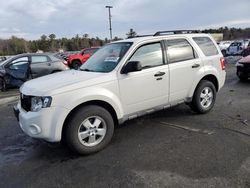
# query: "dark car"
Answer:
x=243 y=68
x=246 y=51
x=16 y=70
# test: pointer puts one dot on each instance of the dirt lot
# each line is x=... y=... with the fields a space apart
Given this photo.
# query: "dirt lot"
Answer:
x=171 y=148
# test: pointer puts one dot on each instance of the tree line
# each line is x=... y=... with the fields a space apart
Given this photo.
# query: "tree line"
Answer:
x=50 y=43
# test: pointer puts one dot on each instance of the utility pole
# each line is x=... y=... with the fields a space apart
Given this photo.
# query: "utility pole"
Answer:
x=110 y=27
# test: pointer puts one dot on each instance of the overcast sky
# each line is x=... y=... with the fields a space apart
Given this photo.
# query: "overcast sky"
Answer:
x=66 y=18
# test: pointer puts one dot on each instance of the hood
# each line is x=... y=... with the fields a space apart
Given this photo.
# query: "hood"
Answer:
x=63 y=82
x=245 y=60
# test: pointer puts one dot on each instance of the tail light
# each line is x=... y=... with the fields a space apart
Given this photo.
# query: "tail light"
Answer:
x=222 y=63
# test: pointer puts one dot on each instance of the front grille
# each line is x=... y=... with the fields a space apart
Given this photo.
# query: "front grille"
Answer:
x=25 y=102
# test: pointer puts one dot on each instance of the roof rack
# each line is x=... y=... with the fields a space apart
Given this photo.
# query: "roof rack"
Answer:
x=130 y=37
x=158 y=33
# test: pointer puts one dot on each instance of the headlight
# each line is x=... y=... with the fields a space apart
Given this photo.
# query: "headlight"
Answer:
x=238 y=64
x=37 y=103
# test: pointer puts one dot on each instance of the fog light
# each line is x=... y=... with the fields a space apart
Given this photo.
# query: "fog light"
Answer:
x=34 y=129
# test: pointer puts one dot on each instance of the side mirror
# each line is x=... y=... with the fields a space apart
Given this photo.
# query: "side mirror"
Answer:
x=131 y=66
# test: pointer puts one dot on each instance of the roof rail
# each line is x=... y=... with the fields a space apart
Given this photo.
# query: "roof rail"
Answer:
x=158 y=33
x=130 y=37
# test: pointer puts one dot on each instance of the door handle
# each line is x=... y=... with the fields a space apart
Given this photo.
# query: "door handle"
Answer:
x=159 y=74
x=195 y=65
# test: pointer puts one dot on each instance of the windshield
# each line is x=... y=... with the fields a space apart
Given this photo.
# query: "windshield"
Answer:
x=107 y=58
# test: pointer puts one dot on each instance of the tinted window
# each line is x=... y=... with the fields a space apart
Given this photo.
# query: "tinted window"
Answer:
x=39 y=59
x=180 y=50
x=206 y=45
x=149 y=55
x=21 y=65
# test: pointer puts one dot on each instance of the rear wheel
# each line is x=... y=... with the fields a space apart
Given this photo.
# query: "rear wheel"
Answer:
x=89 y=130
x=76 y=64
x=204 y=97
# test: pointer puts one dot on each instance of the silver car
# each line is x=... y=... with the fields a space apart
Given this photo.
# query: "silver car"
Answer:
x=17 y=69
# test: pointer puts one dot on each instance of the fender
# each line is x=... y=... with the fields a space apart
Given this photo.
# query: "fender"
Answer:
x=208 y=70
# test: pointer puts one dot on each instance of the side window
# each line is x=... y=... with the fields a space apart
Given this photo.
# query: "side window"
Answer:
x=20 y=65
x=180 y=50
x=149 y=55
x=206 y=45
x=21 y=59
x=87 y=52
x=39 y=59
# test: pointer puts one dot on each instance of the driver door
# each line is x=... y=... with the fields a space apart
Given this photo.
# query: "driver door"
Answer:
x=148 y=88
x=18 y=71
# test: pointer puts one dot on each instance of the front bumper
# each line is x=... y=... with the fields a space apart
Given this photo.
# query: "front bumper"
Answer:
x=46 y=124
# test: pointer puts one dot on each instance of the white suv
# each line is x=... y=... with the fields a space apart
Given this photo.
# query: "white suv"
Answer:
x=121 y=81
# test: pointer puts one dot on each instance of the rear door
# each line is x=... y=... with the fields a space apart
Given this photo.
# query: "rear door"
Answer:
x=184 y=66
x=40 y=65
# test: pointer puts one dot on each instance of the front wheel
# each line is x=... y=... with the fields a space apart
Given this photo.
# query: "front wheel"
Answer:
x=76 y=64
x=204 y=97
x=89 y=130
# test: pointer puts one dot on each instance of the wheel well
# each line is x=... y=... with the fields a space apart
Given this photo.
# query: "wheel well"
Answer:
x=212 y=79
x=76 y=60
x=103 y=104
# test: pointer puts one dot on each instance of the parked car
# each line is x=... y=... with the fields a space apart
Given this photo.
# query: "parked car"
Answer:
x=223 y=46
x=237 y=47
x=3 y=58
x=64 y=55
x=16 y=70
x=243 y=68
x=75 y=61
x=246 y=51
x=121 y=81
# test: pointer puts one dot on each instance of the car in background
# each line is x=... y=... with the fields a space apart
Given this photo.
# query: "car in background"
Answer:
x=223 y=46
x=17 y=69
x=75 y=61
x=243 y=68
x=64 y=55
x=246 y=51
x=3 y=58
x=237 y=47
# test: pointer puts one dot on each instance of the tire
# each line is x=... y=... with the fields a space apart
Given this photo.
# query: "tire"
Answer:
x=242 y=77
x=204 y=97
x=2 y=84
x=76 y=64
x=89 y=130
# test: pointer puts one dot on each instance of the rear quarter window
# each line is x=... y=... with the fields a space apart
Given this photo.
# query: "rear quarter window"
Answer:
x=206 y=45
